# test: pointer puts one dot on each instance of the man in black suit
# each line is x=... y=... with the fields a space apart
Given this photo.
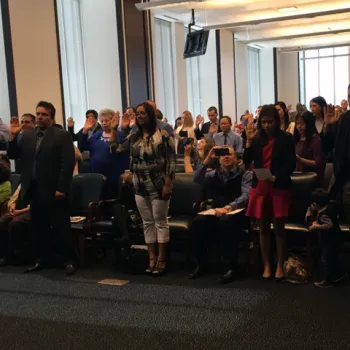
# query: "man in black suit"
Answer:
x=209 y=128
x=93 y=115
x=47 y=157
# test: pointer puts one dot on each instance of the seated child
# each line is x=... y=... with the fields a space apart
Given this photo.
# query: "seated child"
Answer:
x=322 y=218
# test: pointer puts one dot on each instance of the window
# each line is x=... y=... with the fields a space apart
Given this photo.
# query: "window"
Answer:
x=324 y=72
x=165 y=69
x=253 y=78
x=72 y=57
x=4 y=92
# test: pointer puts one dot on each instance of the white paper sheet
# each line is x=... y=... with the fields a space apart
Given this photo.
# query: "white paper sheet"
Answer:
x=212 y=212
x=263 y=174
x=234 y=212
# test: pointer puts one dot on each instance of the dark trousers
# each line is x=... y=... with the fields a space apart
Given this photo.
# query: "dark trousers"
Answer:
x=225 y=231
x=14 y=232
x=329 y=243
x=51 y=225
x=346 y=201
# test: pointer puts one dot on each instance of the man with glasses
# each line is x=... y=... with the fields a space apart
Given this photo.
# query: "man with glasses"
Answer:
x=47 y=157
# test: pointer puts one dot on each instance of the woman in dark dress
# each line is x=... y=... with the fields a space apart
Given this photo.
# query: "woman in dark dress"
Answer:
x=308 y=147
x=271 y=148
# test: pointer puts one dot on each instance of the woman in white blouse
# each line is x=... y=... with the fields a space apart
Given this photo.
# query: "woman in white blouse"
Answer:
x=186 y=130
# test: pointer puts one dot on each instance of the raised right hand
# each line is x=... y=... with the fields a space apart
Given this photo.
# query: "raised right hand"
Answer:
x=70 y=122
x=116 y=119
x=89 y=123
x=329 y=114
x=15 y=126
x=125 y=120
x=250 y=130
x=199 y=120
x=213 y=129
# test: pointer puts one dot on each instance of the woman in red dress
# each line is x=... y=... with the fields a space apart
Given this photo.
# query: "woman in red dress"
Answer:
x=271 y=148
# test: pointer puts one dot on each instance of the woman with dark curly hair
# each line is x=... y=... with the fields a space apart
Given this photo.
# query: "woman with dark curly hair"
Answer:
x=152 y=168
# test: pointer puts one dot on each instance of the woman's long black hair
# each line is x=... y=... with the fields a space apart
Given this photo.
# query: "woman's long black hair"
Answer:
x=269 y=111
x=321 y=102
x=151 y=126
x=310 y=128
x=286 y=114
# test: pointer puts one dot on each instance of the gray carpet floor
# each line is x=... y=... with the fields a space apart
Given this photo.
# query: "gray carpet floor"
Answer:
x=48 y=310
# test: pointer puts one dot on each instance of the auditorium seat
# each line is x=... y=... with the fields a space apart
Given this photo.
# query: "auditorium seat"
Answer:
x=85 y=195
x=186 y=194
x=86 y=190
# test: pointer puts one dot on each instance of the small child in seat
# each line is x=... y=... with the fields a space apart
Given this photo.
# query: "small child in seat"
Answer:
x=322 y=218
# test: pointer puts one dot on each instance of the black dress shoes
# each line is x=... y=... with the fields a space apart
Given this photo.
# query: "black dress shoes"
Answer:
x=70 y=269
x=228 y=277
x=36 y=267
x=197 y=273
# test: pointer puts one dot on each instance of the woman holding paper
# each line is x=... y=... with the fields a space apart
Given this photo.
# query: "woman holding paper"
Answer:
x=272 y=152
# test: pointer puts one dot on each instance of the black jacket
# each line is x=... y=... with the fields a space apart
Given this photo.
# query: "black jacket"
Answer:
x=205 y=130
x=78 y=135
x=283 y=157
x=336 y=138
x=54 y=161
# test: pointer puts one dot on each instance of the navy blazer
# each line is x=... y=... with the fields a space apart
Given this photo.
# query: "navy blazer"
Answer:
x=283 y=161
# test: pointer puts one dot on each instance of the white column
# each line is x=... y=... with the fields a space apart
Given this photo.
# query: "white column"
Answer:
x=267 y=81
x=242 y=77
x=180 y=74
x=228 y=74
x=208 y=76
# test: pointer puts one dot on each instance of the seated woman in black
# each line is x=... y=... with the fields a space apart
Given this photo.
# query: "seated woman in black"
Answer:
x=229 y=186
x=270 y=199
x=308 y=148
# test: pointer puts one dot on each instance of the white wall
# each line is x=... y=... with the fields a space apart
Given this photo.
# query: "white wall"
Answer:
x=288 y=78
x=242 y=79
x=228 y=74
x=267 y=84
x=100 y=38
x=180 y=79
x=4 y=93
x=208 y=76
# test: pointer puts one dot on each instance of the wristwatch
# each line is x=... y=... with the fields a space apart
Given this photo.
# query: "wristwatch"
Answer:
x=228 y=208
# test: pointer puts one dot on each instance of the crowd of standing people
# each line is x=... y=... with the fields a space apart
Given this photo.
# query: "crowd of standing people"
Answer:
x=244 y=168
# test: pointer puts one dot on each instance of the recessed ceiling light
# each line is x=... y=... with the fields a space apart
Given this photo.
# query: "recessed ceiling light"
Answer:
x=287 y=9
